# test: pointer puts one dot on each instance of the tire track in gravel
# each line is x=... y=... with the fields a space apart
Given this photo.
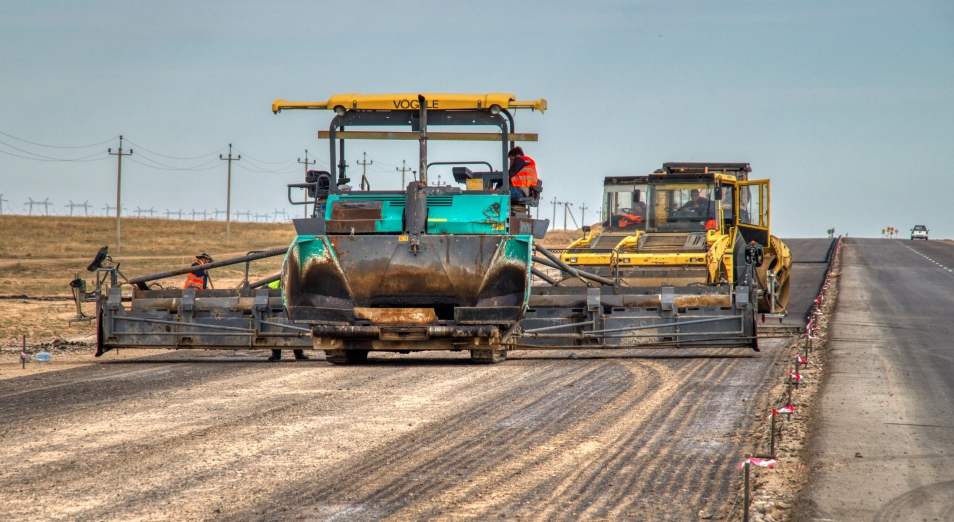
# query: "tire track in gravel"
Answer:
x=543 y=438
x=499 y=484
x=602 y=492
x=412 y=471
x=79 y=468
x=87 y=388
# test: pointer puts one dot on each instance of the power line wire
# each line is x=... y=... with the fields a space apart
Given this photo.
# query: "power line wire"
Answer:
x=176 y=157
x=43 y=158
x=170 y=168
x=262 y=161
x=57 y=146
x=258 y=170
x=192 y=167
x=264 y=167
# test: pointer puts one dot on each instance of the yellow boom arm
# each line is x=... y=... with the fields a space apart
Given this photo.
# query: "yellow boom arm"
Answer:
x=408 y=101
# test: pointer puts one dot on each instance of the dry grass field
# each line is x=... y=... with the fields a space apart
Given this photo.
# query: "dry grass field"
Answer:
x=40 y=255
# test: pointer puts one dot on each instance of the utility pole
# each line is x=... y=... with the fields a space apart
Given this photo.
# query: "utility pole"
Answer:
x=403 y=169
x=566 y=207
x=583 y=214
x=119 y=182
x=1 y=204
x=364 y=169
x=569 y=209
x=228 y=195
x=306 y=162
x=554 y=211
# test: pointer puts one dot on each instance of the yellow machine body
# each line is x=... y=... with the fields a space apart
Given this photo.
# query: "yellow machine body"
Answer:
x=686 y=224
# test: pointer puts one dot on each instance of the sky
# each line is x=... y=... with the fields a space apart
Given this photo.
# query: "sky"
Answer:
x=848 y=107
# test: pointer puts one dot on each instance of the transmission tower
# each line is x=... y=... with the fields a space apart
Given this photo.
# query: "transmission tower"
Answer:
x=46 y=205
x=1 y=204
x=281 y=213
x=217 y=212
x=30 y=203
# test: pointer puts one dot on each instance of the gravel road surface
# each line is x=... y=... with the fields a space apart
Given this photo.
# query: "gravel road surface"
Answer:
x=884 y=442
x=636 y=435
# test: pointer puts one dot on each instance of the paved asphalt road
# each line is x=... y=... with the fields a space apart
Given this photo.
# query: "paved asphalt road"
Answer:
x=809 y=264
x=883 y=448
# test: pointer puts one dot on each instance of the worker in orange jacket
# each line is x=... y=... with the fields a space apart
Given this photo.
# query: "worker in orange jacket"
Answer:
x=199 y=279
x=523 y=173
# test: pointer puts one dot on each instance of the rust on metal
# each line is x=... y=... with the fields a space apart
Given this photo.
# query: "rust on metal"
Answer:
x=359 y=217
x=396 y=315
x=691 y=301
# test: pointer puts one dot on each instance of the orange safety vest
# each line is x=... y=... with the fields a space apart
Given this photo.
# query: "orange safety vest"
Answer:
x=629 y=219
x=194 y=281
x=527 y=176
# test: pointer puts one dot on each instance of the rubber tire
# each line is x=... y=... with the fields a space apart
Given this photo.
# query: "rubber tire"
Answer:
x=346 y=356
x=488 y=356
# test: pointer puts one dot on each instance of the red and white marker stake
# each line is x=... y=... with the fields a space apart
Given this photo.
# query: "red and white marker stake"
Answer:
x=762 y=463
x=784 y=409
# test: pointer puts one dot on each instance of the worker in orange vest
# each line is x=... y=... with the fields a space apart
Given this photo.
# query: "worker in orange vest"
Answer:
x=199 y=279
x=523 y=173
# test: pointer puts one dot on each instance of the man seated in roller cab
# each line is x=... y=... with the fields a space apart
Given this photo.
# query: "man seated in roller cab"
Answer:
x=523 y=174
x=700 y=206
x=697 y=203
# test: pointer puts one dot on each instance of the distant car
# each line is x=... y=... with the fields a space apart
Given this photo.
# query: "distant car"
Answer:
x=919 y=232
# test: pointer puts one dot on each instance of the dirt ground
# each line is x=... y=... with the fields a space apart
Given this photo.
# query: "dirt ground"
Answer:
x=220 y=436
